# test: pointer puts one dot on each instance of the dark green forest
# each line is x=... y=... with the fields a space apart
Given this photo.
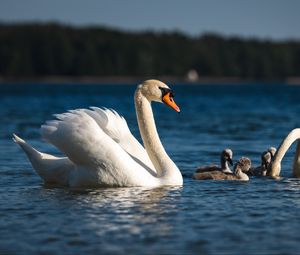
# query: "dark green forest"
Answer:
x=37 y=50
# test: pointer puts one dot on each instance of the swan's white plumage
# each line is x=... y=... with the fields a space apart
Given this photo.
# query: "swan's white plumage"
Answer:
x=100 y=149
x=50 y=168
x=99 y=157
x=115 y=126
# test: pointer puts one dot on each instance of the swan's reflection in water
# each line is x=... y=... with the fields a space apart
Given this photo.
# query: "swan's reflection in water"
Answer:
x=120 y=212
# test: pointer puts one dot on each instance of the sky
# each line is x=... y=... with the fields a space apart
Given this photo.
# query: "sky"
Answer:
x=267 y=19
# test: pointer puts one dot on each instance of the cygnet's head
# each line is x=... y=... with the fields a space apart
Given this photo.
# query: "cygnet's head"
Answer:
x=158 y=91
x=243 y=164
x=241 y=167
x=272 y=150
x=226 y=155
x=266 y=158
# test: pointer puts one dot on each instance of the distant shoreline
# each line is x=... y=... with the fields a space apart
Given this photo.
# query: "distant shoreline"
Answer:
x=113 y=80
x=58 y=53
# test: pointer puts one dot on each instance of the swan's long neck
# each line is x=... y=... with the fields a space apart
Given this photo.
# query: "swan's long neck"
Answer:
x=296 y=163
x=284 y=146
x=164 y=166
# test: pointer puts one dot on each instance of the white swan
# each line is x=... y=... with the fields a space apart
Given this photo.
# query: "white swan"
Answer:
x=275 y=166
x=100 y=149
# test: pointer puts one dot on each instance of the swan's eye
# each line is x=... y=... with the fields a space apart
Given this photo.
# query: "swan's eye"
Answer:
x=165 y=91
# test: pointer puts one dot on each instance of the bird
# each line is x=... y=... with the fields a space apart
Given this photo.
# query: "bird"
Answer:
x=100 y=150
x=261 y=170
x=266 y=159
x=226 y=157
x=275 y=167
x=239 y=173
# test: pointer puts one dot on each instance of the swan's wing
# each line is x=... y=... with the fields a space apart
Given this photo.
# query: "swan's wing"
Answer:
x=115 y=126
x=79 y=137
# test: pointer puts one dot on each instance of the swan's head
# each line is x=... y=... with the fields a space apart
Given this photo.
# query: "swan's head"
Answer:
x=226 y=156
x=158 y=91
x=243 y=164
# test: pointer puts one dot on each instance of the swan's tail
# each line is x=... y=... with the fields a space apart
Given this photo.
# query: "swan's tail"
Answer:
x=33 y=155
x=50 y=168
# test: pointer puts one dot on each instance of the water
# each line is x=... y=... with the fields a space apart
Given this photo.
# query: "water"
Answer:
x=202 y=217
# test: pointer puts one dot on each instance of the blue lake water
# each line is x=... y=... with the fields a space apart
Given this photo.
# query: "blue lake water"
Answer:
x=202 y=217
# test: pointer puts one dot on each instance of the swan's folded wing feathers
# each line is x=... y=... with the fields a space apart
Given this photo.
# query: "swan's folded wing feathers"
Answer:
x=66 y=134
x=115 y=126
x=111 y=122
x=80 y=138
x=63 y=116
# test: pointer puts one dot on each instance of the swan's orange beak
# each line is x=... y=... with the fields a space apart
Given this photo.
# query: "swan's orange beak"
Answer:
x=169 y=100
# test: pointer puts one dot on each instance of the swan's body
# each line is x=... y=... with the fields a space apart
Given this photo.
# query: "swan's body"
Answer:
x=226 y=157
x=241 y=167
x=275 y=167
x=101 y=150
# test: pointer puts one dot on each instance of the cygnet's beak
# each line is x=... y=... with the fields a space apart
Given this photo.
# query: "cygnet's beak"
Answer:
x=169 y=100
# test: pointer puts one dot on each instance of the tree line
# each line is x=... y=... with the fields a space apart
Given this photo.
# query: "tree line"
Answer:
x=35 y=50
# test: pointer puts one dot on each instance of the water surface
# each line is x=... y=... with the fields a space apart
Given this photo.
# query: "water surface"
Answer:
x=202 y=217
